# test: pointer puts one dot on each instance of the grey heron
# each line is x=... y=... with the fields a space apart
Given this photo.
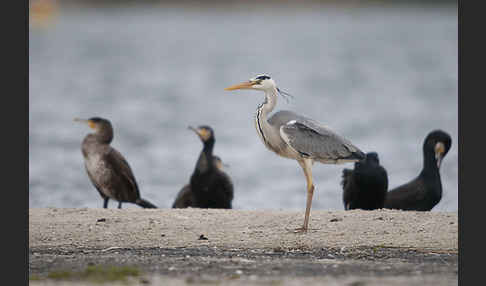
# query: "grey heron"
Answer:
x=107 y=168
x=296 y=137
x=210 y=186
x=425 y=191
x=365 y=187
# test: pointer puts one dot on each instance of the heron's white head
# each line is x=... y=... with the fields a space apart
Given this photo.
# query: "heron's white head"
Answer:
x=264 y=83
x=260 y=82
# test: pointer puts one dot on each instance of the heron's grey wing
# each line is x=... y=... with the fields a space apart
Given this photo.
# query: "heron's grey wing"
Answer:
x=315 y=141
x=116 y=162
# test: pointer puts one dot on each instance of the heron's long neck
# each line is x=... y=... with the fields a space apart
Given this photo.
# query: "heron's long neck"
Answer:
x=262 y=126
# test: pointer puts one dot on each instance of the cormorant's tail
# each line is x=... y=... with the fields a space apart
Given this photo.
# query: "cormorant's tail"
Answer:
x=145 y=204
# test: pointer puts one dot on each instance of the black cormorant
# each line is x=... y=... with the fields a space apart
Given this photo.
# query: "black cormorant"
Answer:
x=209 y=186
x=365 y=187
x=185 y=197
x=108 y=170
x=425 y=191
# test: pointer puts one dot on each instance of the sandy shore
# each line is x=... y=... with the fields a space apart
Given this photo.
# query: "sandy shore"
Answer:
x=236 y=247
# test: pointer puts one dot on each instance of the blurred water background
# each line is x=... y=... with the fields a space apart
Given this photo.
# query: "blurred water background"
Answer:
x=382 y=76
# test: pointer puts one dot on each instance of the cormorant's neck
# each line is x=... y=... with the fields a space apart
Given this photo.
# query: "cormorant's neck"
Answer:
x=205 y=161
x=104 y=135
x=431 y=176
x=208 y=147
x=92 y=140
x=430 y=164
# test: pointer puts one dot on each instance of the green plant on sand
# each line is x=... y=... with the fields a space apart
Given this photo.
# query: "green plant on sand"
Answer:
x=95 y=273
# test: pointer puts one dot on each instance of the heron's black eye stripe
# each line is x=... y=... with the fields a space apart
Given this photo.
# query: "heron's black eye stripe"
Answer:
x=263 y=77
x=95 y=119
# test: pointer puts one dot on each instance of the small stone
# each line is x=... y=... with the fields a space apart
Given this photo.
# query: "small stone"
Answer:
x=202 y=237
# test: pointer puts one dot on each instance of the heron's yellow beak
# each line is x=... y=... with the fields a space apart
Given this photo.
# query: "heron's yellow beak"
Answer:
x=439 y=152
x=243 y=85
x=90 y=123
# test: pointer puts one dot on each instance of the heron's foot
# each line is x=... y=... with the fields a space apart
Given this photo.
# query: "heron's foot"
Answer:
x=300 y=230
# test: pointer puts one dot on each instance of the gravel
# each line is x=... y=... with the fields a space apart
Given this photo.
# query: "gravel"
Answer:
x=238 y=247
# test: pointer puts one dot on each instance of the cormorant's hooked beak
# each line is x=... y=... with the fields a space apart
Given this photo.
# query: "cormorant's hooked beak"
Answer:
x=202 y=133
x=81 y=120
x=243 y=85
x=439 y=153
x=90 y=123
x=194 y=129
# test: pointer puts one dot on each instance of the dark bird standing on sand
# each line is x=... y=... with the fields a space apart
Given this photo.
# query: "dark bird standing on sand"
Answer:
x=185 y=197
x=425 y=191
x=108 y=170
x=210 y=186
x=365 y=187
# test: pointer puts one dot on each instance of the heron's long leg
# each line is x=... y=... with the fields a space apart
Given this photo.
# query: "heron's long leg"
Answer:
x=306 y=165
x=119 y=204
x=105 y=203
